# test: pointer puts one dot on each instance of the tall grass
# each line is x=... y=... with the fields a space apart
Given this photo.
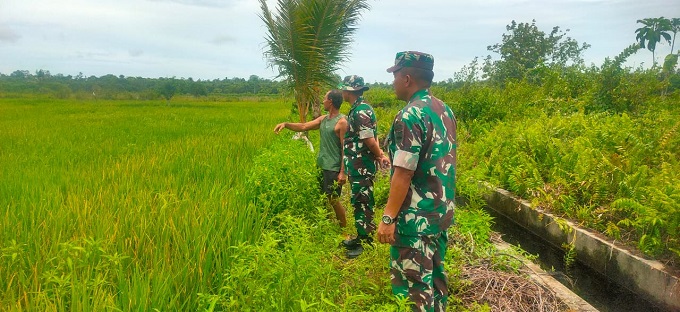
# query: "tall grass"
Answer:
x=298 y=265
x=129 y=205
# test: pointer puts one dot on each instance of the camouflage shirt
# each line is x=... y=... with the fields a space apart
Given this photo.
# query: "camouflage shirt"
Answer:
x=359 y=160
x=423 y=139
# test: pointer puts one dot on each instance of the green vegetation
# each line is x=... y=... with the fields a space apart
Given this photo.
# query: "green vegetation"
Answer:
x=598 y=145
x=654 y=30
x=134 y=205
x=124 y=204
x=614 y=174
x=595 y=145
x=298 y=265
x=525 y=50
x=111 y=87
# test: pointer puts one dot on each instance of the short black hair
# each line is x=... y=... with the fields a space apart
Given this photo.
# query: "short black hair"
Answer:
x=359 y=92
x=422 y=76
x=336 y=97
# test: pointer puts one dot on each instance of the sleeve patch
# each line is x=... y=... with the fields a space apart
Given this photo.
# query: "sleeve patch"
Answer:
x=405 y=160
x=365 y=134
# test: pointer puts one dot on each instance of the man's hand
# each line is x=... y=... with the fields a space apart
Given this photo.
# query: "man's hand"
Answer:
x=384 y=161
x=279 y=127
x=386 y=233
x=342 y=178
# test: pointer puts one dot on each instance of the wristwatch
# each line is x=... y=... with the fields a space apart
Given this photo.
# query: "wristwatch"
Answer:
x=387 y=219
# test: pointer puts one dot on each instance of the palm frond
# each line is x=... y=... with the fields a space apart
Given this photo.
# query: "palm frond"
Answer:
x=308 y=40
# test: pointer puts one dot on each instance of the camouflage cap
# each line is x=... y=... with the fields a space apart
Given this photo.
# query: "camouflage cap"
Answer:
x=353 y=83
x=412 y=59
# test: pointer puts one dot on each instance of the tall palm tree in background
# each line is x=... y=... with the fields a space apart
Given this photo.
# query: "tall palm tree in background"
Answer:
x=651 y=33
x=671 y=60
x=675 y=28
x=307 y=40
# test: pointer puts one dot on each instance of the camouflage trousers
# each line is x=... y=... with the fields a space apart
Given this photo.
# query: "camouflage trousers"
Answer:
x=362 y=201
x=417 y=269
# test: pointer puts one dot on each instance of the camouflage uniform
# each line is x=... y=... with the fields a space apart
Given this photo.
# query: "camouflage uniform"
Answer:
x=360 y=162
x=423 y=139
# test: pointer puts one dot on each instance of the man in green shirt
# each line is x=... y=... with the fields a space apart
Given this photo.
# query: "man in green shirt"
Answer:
x=419 y=210
x=332 y=128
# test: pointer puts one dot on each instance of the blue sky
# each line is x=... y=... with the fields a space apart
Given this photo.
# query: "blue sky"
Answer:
x=212 y=39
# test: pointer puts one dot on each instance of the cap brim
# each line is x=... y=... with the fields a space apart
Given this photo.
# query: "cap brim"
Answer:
x=348 y=88
x=394 y=68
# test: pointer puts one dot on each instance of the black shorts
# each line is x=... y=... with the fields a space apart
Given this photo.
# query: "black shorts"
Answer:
x=329 y=183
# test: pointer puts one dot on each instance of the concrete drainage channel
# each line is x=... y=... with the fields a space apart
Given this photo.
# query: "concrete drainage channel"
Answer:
x=573 y=301
x=650 y=280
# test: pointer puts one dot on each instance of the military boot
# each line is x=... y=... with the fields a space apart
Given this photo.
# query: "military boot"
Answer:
x=351 y=243
x=356 y=246
x=356 y=241
x=354 y=252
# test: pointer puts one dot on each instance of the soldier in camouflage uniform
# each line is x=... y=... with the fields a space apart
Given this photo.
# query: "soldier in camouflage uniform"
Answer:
x=419 y=210
x=362 y=152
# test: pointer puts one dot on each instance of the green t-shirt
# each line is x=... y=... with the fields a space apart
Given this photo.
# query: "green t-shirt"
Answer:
x=330 y=154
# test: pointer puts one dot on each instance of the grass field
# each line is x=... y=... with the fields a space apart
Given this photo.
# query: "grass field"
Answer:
x=144 y=206
x=128 y=205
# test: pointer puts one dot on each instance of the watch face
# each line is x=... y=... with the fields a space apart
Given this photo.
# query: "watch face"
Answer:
x=387 y=220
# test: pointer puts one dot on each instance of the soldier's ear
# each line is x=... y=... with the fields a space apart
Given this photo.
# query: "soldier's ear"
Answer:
x=408 y=79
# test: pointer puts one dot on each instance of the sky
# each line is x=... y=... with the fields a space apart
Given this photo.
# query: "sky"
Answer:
x=217 y=39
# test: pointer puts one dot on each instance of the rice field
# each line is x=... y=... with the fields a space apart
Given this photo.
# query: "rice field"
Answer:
x=124 y=205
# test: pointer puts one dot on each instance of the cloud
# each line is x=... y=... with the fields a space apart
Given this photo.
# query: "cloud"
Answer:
x=223 y=39
x=8 y=35
x=203 y=3
x=92 y=55
x=136 y=52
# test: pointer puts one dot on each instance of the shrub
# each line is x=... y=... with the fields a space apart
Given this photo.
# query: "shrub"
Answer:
x=611 y=173
x=285 y=178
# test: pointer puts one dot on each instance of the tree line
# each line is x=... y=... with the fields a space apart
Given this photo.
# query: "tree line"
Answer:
x=121 y=87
